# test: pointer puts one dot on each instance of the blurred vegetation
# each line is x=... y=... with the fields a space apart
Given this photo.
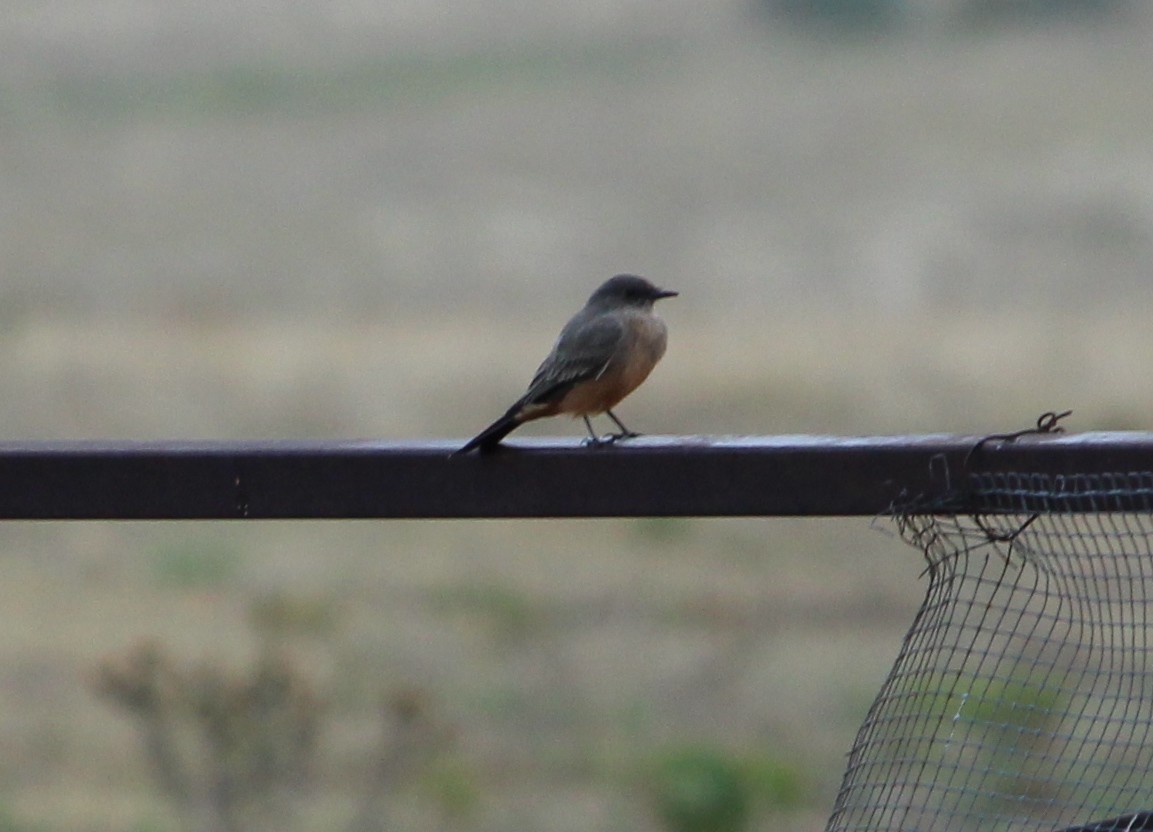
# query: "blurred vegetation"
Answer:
x=871 y=15
x=1007 y=729
x=224 y=223
x=1022 y=719
x=707 y=790
x=202 y=563
x=700 y=791
x=255 y=89
x=845 y=14
x=508 y=613
x=283 y=615
x=239 y=750
x=9 y=823
x=996 y=12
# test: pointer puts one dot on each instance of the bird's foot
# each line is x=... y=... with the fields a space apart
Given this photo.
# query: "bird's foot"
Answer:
x=597 y=441
x=608 y=439
x=623 y=435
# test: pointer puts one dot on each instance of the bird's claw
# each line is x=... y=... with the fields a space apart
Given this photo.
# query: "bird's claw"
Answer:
x=608 y=439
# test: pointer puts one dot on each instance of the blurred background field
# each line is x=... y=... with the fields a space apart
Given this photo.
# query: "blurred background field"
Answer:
x=221 y=220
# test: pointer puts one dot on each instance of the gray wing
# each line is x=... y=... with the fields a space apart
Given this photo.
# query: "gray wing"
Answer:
x=583 y=351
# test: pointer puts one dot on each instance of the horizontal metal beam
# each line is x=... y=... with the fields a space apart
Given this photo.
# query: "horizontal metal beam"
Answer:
x=649 y=476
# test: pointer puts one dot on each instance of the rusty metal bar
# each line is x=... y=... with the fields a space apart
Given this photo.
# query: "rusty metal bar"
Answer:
x=650 y=476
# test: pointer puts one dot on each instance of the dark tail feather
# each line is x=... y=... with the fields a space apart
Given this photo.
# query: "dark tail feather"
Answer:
x=490 y=437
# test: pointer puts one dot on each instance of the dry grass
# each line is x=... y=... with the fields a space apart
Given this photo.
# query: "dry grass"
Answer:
x=816 y=370
x=354 y=228
x=565 y=654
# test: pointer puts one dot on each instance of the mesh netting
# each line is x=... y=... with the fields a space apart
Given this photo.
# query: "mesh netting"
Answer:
x=1022 y=698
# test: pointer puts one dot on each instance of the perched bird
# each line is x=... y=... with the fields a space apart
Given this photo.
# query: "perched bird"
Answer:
x=603 y=353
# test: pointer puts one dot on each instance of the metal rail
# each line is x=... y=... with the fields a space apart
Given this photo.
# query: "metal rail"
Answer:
x=650 y=476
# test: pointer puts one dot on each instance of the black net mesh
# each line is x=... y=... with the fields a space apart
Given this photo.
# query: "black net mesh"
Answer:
x=1022 y=698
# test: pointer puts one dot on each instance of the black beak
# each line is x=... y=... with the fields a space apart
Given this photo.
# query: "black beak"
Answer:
x=664 y=293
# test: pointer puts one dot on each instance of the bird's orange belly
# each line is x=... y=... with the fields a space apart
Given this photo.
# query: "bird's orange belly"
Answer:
x=592 y=397
x=621 y=377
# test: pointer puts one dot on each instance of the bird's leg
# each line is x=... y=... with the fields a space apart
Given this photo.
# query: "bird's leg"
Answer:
x=592 y=440
x=625 y=432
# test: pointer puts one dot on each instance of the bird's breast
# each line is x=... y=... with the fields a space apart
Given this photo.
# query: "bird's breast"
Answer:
x=639 y=351
x=649 y=337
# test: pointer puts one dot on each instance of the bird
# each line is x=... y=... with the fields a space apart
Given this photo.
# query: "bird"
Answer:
x=602 y=354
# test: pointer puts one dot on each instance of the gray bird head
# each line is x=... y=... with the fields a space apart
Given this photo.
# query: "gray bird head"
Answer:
x=628 y=290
